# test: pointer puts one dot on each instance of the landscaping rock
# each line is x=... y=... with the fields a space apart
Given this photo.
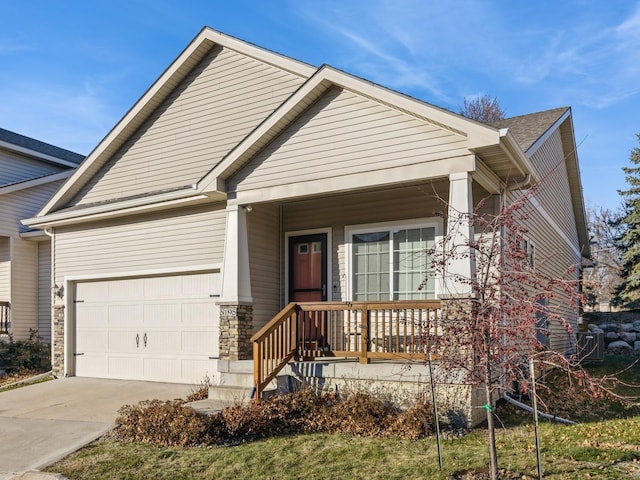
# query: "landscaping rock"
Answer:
x=609 y=327
x=611 y=336
x=619 y=345
x=628 y=337
x=596 y=330
x=625 y=327
x=636 y=346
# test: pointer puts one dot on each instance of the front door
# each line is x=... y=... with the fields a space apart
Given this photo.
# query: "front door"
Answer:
x=308 y=268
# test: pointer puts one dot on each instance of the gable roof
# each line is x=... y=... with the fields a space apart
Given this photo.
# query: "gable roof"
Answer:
x=40 y=150
x=528 y=129
x=154 y=96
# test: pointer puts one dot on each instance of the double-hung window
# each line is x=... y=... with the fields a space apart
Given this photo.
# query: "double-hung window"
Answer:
x=391 y=261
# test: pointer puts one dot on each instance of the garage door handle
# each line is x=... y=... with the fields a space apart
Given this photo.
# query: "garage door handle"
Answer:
x=145 y=339
x=137 y=340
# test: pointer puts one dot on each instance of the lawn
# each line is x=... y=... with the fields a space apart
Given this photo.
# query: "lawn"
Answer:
x=604 y=449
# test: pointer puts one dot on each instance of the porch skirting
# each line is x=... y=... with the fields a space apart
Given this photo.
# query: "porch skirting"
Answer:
x=236 y=328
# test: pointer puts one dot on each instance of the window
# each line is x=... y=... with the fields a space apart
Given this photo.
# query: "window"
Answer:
x=391 y=262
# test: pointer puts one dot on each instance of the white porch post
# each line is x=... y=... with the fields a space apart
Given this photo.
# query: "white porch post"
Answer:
x=236 y=280
x=460 y=259
x=236 y=309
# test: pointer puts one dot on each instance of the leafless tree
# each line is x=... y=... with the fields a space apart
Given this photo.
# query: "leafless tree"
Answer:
x=485 y=109
x=603 y=276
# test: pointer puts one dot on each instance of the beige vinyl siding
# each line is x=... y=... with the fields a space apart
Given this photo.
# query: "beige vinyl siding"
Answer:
x=44 y=291
x=5 y=268
x=15 y=168
x=264 y=258
x=225 y=96
x=344 y=133
x=179 y=238
x=553 y=192
x=554 y=258
x=337 y=212
x=23 y=288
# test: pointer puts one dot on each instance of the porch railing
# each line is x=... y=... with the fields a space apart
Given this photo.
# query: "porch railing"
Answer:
x=5 y=317
x=395 y=330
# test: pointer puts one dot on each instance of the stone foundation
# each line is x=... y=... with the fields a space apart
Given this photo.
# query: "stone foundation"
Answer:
x=236 y=328
x=57 y=338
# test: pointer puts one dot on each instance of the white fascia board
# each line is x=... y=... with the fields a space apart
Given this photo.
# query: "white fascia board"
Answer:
x=267 y=56
x=36 y=155
x=486 y=178
x=34 y=235
x=15 y=187
x=516 y=155
x=99 y=212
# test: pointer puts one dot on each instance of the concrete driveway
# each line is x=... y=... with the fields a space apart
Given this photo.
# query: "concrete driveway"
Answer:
x=43 y=423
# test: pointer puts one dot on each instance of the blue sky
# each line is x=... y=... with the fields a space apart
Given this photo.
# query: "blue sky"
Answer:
x=71 y=69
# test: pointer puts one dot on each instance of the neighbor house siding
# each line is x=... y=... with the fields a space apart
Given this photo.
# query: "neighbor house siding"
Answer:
x=5 y=269
x=23 y=204
x=15 y=168
x=225 y=96
x=44 y=290
x=344 y=133
x=23 y=288
x=179 y=238
x=264 y=260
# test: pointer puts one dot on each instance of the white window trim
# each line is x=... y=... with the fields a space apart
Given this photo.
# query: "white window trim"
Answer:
x=350 y=230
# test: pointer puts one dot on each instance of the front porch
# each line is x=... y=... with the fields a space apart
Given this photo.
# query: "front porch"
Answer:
x=400 y=331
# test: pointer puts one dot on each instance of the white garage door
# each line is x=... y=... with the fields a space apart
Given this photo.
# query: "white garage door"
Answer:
x=152 y=328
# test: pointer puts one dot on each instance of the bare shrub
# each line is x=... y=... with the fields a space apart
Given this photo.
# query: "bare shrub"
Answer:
x=169 y=423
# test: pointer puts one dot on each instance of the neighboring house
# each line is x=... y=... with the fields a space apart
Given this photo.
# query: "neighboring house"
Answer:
x=243 y=180
x=30 y=172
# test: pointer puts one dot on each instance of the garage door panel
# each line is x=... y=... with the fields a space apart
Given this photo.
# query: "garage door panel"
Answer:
x=93 y=365
x=199 y=313
x=125 y=341
x=95 y=315
x=93 y=341
x=123 y=290
x=200 y=343
x=201 y=286
x=162 y=287
x=176 y=313
x=161 y=314
x=121 y=315
x=126 y=367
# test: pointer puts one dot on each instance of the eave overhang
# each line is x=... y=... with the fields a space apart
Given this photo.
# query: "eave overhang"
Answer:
x=145 y=204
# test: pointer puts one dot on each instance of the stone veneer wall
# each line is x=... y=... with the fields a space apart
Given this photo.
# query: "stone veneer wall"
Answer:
x=236 y=329
x=57 y=338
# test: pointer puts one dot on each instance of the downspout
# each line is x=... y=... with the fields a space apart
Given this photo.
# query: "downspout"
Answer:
x=526 y=407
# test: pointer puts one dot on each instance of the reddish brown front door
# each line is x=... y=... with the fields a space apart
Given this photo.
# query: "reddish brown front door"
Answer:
x=308 y=268
x=308 y=283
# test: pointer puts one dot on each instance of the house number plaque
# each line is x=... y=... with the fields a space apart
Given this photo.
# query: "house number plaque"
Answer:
x=228 y=311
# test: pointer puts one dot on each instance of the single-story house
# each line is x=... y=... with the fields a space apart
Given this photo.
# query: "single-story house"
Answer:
x=245 y=187
x=30 y=172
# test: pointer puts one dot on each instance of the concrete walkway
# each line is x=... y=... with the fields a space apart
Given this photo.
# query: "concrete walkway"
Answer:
x=42 y=423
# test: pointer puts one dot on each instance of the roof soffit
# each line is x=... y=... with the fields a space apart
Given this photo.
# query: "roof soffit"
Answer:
x=202 y=44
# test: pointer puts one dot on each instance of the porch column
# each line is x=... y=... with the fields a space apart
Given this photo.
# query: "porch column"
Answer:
x=236 y=310
x=460 y=262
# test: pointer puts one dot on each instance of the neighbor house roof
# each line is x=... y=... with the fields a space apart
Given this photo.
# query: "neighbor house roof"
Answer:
x=41 y=150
